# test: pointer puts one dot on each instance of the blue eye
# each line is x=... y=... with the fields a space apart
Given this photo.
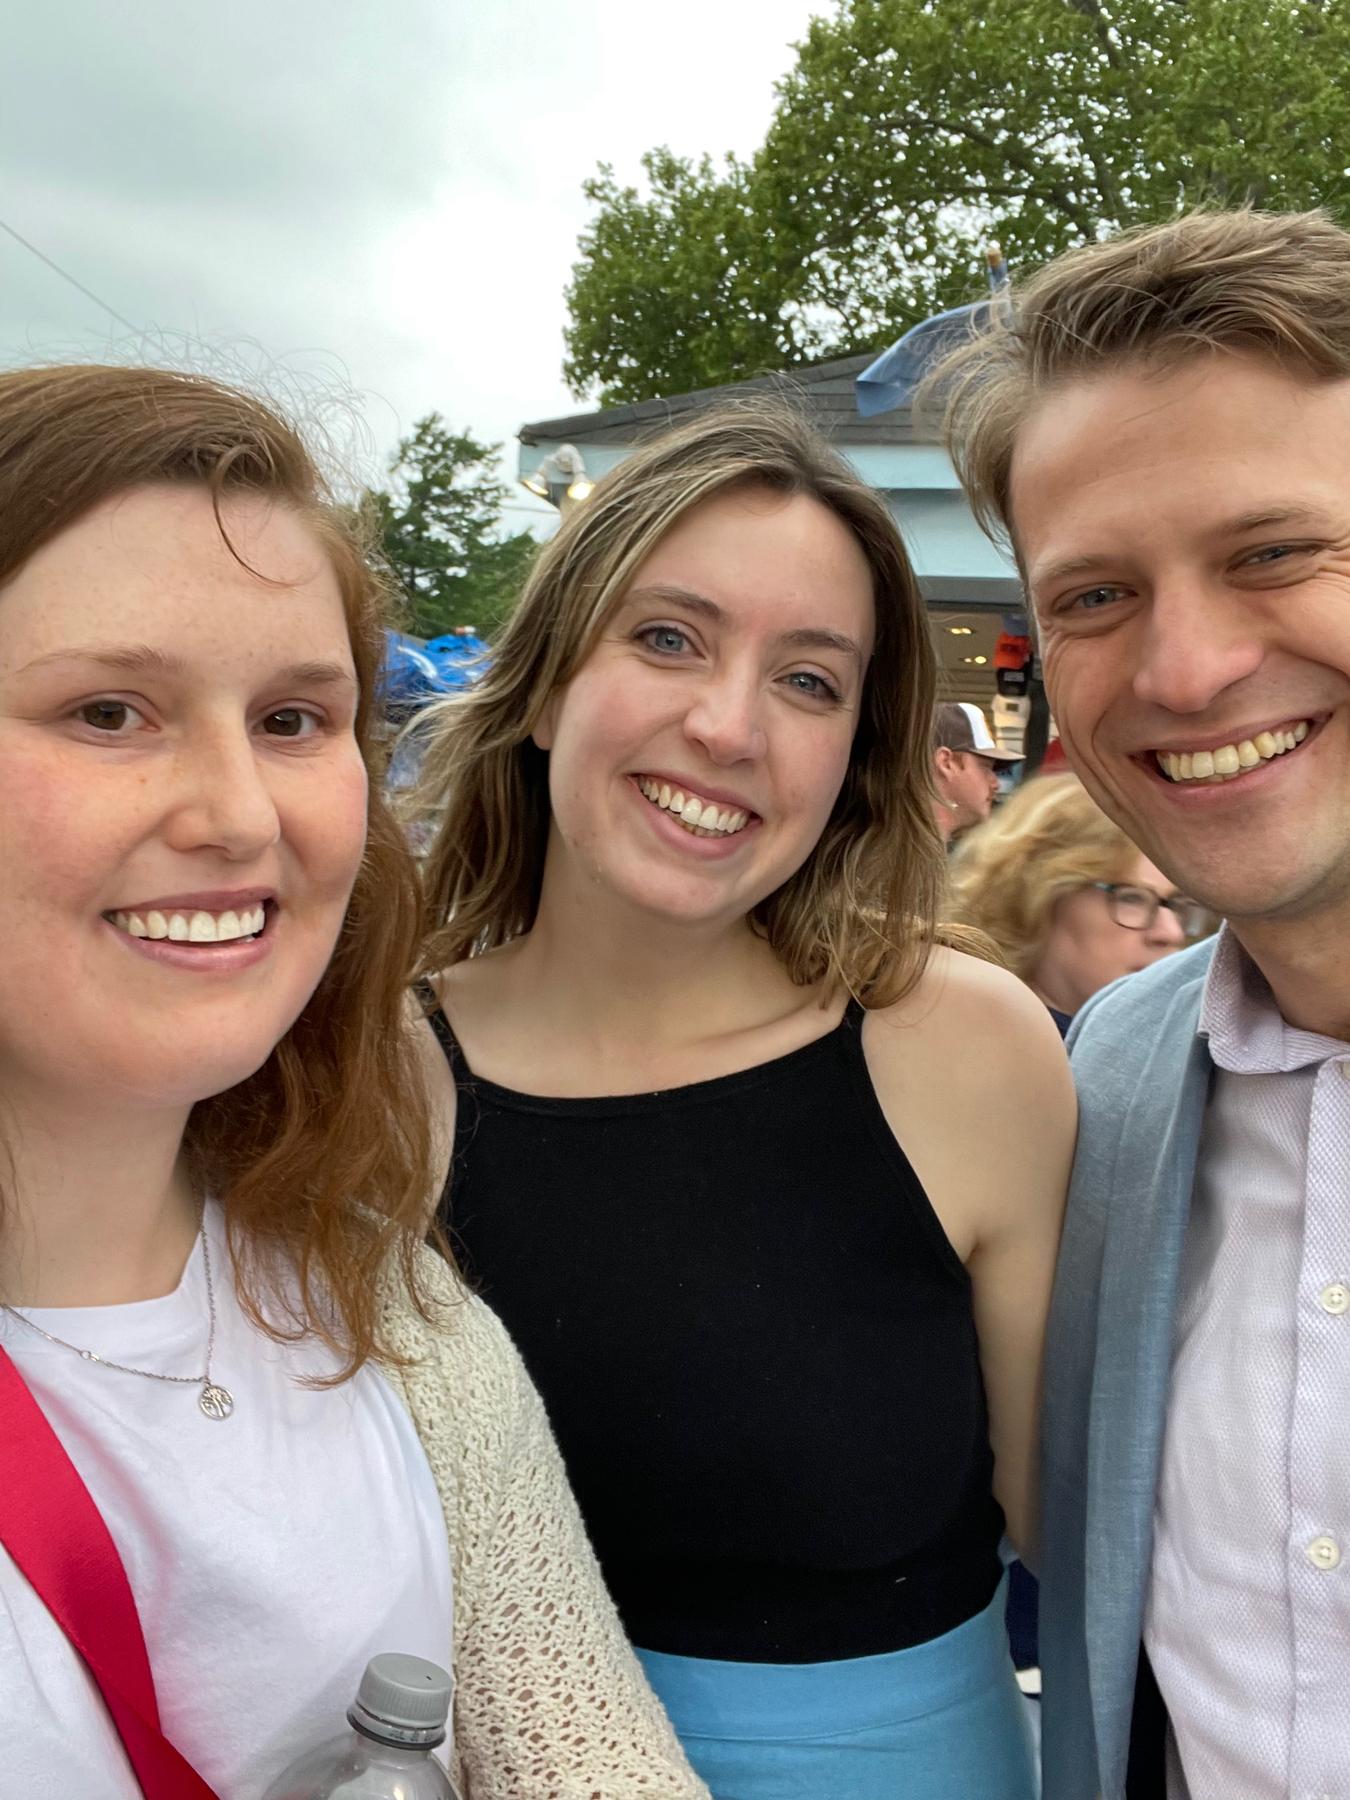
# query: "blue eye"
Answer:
x=664 y=639
x=1094 y=599
x=1277 y=553
x=816 y=686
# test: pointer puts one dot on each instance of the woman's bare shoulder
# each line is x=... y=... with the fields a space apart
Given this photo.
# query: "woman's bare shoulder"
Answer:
x=972 y=1077
x=975 y=1028
x=957 y=989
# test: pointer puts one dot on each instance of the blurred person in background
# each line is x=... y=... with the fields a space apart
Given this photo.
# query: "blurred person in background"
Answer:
x=1070 y=902
x=966 y=764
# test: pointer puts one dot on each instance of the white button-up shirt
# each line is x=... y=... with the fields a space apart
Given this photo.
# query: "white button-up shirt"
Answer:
x=1248 y=1617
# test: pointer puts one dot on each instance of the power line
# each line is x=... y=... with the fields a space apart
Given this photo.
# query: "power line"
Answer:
x=65 y=275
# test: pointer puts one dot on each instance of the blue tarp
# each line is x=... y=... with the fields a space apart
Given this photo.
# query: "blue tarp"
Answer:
x=409 y=675
x=891 y=380
x=415 y=672
x=459 y=657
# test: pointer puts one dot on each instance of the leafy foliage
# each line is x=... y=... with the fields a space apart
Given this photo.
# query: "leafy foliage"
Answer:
x=439 y=526
x=682 y=270
x=910 y=132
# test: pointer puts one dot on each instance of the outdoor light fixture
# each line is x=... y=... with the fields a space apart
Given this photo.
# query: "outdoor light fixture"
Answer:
x=560 y=477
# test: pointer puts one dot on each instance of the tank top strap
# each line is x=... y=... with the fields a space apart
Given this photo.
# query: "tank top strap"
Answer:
x=848 y=1035
x=435 y=1016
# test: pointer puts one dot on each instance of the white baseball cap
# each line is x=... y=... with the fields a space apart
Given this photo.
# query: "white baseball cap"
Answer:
x=960 y=725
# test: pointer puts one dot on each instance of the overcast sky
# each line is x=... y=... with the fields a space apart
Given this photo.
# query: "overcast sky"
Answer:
x=334 y=195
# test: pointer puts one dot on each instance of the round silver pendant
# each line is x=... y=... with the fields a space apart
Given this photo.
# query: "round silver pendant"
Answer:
x=215 y=1401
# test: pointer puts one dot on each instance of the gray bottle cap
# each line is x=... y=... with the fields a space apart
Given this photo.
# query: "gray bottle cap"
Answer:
x=402 y=1700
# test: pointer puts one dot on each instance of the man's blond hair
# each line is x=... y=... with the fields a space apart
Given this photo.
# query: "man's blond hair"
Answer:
x=1275 y=285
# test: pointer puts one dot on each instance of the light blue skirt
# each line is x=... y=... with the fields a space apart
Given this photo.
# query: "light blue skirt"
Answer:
x=942 y=1721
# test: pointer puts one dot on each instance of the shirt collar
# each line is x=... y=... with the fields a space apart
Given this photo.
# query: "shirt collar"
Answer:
x=1247 y=1034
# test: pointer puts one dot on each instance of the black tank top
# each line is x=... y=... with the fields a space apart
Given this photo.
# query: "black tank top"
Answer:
x=756 y=1346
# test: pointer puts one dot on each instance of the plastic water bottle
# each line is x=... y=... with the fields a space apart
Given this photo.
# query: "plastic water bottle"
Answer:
x=397 y=1719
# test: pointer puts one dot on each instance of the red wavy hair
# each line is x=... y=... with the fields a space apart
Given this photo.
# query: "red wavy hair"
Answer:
x=324 y=1154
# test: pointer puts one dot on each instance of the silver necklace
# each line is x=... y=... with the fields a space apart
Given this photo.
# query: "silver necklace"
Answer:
x=215 y=1401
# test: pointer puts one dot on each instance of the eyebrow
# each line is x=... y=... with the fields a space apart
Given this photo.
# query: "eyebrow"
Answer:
x=1273 y=515
x=1262 y=519
x=805 y=637
x=144 y=659
x=1063 y=571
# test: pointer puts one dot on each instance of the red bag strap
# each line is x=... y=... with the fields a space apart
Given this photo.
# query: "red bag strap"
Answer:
x=60 y=1542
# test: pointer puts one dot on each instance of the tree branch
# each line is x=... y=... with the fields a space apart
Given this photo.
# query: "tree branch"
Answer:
x=821 y=292
x=1091 y=10
x=1010 y=151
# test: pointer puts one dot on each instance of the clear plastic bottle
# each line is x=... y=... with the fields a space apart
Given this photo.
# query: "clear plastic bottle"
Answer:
x=397 y=1719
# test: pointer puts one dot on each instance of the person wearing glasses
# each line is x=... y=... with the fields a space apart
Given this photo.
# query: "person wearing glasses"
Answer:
x=1070 y=902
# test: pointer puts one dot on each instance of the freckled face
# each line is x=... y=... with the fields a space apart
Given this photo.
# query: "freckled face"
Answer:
x=1186 y=539
x=172 y=730
x=731 y=673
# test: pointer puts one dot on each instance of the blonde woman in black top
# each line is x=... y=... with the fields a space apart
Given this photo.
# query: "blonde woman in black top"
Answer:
x=766 y=1183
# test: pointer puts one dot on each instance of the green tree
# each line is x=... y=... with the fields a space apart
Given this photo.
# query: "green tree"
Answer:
x=910 y=132
x=680 y=264
x=439 y=525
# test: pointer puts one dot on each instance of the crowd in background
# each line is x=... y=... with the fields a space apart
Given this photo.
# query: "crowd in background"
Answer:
x=1068 y=902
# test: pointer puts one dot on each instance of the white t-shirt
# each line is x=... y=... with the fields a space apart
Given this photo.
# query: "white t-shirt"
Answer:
x=271 y=1554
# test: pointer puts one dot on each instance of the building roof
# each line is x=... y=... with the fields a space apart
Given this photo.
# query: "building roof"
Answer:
x=825 y=390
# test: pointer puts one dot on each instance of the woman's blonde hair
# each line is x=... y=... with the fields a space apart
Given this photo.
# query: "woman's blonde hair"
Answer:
x=1047 y=841
x=1275 y=285
x=324 y=1153
x=859 y=913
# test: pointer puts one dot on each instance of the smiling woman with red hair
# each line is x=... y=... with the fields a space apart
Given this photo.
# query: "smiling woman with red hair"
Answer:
x=219 y=1328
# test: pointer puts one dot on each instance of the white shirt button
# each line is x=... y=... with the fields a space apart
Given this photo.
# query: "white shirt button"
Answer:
x=1324 y=1553
x=1335 y=1298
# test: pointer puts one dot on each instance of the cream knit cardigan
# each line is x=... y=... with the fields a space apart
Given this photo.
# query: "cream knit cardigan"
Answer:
x=550 y=1703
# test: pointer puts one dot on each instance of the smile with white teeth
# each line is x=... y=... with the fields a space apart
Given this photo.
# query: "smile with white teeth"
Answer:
x=192 y=927
x=704 y=818
x=1231 y=760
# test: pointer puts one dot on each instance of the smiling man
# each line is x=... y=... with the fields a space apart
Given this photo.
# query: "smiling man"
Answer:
x=1162 y=430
